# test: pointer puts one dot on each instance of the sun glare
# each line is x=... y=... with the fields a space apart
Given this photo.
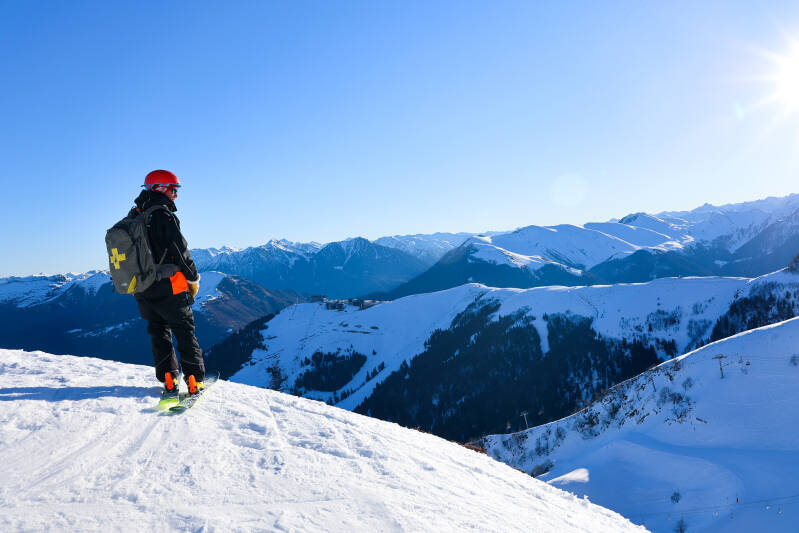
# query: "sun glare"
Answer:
x=786 y=80
x=780 y=81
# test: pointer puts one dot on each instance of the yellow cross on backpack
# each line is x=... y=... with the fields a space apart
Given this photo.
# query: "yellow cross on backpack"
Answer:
x=116 y=258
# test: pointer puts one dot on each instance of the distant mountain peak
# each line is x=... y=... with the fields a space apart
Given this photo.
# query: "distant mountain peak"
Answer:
x=632 y=217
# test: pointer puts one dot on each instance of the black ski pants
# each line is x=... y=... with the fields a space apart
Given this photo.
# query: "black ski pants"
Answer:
x=167 y=316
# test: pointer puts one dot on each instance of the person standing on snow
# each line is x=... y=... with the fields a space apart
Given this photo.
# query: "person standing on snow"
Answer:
x=166 y=305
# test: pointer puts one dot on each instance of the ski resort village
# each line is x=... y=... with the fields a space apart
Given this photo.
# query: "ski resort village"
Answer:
x=345 y=266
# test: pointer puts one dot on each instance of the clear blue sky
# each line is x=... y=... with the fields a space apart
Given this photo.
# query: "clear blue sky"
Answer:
x=326 y=120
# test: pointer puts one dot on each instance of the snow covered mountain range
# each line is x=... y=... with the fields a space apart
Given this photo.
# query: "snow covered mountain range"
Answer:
x=746 y=239
x=83 y=451
x=708 y=440
x=339 y=269
x=467 y=361
x=82 y=314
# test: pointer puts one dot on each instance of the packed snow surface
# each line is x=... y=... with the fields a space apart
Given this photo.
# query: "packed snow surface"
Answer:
x=710 y=438
x=82 y=450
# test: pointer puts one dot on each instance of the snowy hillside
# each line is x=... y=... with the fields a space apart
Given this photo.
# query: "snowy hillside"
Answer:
x=583 y=246
x=82 y=451
x=466 y=361
x=678 y=310
x=710 y=438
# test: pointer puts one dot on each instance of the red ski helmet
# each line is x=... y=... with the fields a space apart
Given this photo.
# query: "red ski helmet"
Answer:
x=162 y=178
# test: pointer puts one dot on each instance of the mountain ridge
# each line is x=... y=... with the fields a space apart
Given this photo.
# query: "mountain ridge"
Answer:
x=421 y=354
x=734 y=240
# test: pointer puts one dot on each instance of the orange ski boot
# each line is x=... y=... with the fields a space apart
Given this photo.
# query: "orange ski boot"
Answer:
x=195 y=387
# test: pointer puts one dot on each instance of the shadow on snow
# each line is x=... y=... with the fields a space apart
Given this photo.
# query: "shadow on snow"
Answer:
x=57 y=394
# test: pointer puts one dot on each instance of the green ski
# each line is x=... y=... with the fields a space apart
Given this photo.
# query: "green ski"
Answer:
x=187 y=401
x=167 y=400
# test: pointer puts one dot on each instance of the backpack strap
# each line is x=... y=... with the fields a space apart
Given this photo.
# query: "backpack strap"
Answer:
x=146 y=214
x=167 y=269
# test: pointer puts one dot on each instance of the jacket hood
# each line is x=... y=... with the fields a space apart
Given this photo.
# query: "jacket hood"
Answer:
x=147 y=199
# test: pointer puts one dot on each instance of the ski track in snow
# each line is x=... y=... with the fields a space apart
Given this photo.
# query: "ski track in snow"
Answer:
x=82 y=450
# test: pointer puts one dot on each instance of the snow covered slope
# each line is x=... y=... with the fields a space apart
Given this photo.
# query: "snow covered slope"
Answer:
x=395 y=331
x=672 y=309
x=467 y=361
x=81 y=451
x=710 y=438
x=581 y=246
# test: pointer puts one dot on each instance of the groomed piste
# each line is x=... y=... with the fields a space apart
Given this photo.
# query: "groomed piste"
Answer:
x=82 y=450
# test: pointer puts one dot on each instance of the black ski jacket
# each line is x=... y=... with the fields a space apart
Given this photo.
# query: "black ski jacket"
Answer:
x=166 y=240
